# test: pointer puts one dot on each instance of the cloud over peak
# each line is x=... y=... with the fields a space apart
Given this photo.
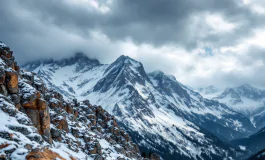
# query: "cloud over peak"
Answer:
x=200 y=42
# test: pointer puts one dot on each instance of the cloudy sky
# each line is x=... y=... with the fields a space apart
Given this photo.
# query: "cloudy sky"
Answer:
x=201 y=42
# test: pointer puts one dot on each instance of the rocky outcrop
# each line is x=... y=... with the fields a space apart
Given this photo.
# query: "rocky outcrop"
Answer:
x=45 y=154
x=95 y=122
x=49 y=120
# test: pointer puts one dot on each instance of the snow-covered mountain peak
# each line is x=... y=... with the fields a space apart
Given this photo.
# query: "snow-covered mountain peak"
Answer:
x=125 y=59
x=245 y=99
x=243 y=91
x=163 y=114
x=124 y=71
x=126 y=63
x=248 y=91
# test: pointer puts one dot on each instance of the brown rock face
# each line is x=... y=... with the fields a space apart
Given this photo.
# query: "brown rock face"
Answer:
x=38 y=112
x=12 y=81
x=45 y=123
x=43 y=155
x=31 y=104
x=42 y=104
x=35 y=118
x=93 y=150
x=70 y=109
x=5 y=51
x=61 y=124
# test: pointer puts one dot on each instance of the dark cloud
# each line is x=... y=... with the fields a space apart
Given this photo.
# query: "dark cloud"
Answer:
x=54 y=29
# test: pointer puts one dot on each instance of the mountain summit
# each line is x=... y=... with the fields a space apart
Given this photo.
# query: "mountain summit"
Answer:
x=164 y=115
x=39 y=123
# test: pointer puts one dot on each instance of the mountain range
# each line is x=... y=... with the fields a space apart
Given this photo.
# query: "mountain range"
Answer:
x=245 y=99
x=161 y=114
x=38 y=123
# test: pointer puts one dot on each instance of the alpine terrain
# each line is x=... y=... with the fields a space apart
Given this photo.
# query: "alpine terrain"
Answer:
x=245 y=99
x=161 y=114
x=39 y=124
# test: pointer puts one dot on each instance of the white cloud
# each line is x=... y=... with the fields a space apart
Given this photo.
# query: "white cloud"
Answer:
x=219 y=24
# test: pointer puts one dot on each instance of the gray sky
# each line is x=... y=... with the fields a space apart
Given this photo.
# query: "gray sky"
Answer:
x=202 y=42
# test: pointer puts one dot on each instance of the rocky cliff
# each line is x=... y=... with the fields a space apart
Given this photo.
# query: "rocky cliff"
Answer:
x=38 y=123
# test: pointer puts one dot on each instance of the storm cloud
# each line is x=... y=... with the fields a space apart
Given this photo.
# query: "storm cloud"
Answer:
x=201 y=42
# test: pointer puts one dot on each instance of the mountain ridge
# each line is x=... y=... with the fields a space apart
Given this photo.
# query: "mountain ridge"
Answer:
x=38 y=123
x=126 y=90
x=245 y=99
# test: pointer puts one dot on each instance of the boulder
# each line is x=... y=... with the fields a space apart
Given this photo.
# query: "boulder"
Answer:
x=41 y=103
x=2 y=75
x=12 y=81
x=17 y=68
x=61 y=124
x=56 y=134
x=46 y=154
x=31 y=104
x=3 y=90
x=70 y=109
x=30 y=100
x=75 y=114
x=44 y=119
x=15 y=98
x=35 y=118
x=93 y=150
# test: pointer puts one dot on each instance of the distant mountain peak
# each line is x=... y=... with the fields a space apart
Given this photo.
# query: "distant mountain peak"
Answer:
x=127 y=63
x=158 y=73
x=156 y=107
x=127 y=60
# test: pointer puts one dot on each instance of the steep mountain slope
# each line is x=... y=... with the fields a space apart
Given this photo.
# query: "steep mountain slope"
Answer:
x=162 y=114
x=244 y=99
x=37 y=123
x=258 y=156
x=253 y=143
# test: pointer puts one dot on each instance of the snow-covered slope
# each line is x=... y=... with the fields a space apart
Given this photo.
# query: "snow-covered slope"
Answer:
x=244 y=99
x=164 y=115
x=253 y=143
x=38 y=123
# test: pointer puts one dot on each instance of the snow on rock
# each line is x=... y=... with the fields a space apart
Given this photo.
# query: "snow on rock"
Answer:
x=244 y=99
x=2 y=45
x=39 y=122
x=163 y=115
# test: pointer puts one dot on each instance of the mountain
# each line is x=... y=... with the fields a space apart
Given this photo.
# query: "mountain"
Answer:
x=258 y=156
x=244 y=99
x=209 y=91
x=38 y=123
x=162 y=114
x=253 y=143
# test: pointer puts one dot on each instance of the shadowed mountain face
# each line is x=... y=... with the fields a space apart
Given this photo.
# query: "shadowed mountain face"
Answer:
x=244 y=99
x=38 y=123
x=253 y=143
x=163 y=115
